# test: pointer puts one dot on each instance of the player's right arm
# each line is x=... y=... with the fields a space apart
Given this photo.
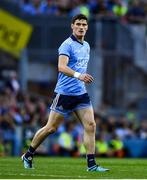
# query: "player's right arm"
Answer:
x=62 y=67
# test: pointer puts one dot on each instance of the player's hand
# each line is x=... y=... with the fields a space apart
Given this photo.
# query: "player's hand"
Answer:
x=87 y=78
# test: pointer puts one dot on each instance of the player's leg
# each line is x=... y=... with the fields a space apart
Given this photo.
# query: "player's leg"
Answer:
x=86 y=116
x=53 y=123
x=87 y=119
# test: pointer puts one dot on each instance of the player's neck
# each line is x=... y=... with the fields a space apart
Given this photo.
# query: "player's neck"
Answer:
x=79 y=38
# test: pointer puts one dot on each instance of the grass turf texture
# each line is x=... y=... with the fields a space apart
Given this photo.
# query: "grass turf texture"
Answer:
x=72 y=168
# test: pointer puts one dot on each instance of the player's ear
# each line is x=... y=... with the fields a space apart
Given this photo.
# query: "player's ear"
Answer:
x=72 y=26
x=87 y=27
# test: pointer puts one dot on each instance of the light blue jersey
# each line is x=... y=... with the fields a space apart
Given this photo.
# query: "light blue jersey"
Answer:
x=78 y=54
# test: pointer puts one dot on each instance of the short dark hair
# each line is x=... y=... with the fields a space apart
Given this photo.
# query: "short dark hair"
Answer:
x=79 y=16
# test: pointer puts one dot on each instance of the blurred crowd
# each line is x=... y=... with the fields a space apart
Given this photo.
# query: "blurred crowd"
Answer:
x=21 y=114
x=127 y=10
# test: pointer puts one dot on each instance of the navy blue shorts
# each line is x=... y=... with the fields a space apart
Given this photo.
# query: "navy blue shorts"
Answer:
x=64 y=104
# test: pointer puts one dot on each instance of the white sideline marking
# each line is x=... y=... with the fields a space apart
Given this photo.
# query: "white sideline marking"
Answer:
x=43 y=175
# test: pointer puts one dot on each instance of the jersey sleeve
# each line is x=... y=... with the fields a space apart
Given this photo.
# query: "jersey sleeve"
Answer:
x=64 y=49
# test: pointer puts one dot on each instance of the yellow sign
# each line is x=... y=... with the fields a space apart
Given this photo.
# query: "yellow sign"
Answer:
x=14 y=33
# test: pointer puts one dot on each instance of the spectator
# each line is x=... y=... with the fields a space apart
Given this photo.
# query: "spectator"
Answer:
x=123 y=129
x=136 y=13
x=63 y=7
x=2 y=147
x=120 y=9
x=117 y=147
x=102 y=148
x=110 y=5
x=13 y=83
x=80 y=7
x=100 y=8
x=66 y=141
x=33 y=7
x=143 y=130
x=49 y=7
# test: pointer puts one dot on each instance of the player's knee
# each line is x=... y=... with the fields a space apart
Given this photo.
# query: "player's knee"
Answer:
x=50 y=130
x=92 y=126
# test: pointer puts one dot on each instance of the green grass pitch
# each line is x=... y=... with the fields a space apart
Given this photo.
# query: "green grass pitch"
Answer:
x=72 y=168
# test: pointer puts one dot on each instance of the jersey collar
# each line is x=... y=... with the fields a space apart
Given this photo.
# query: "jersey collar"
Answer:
x=75 y=39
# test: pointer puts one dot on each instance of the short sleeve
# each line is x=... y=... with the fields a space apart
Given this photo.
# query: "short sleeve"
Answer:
x=64 y=49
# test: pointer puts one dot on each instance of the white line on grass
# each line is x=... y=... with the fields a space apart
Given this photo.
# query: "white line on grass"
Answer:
x=41 y=175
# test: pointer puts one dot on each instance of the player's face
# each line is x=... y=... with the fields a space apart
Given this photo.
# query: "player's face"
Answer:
x=79 y=28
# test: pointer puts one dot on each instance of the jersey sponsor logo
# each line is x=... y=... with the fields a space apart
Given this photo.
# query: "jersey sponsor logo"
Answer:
x=82 y=56
x=82 y=63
